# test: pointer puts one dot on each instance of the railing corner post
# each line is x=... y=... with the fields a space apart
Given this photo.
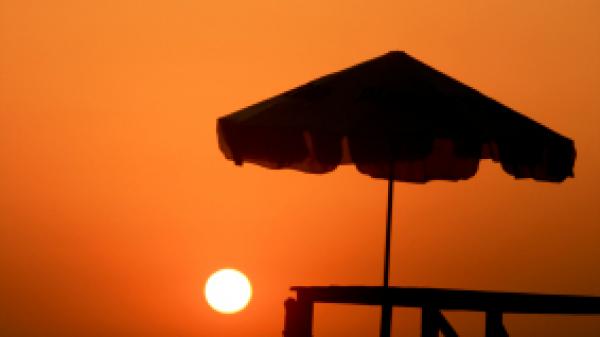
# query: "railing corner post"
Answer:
x=298 y=318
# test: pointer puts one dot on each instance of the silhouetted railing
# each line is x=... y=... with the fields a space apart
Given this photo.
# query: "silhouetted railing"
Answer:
x=299 y=311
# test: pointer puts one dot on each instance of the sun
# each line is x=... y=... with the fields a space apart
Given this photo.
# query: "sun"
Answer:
x=228 y=291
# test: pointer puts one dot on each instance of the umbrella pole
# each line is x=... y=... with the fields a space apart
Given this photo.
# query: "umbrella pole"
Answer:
x=386 y=309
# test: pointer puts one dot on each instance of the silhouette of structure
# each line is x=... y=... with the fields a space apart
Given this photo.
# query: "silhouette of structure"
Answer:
x=394 y=118
x=299 y=312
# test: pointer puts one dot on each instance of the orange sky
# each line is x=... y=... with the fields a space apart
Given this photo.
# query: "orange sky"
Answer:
x=116 y=205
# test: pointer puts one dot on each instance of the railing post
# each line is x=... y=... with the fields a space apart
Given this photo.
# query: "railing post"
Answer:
x=493 y=325
x=429 y=322
x=298 y=318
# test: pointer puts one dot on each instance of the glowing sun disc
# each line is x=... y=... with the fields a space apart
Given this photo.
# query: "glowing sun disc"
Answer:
x=228 y=291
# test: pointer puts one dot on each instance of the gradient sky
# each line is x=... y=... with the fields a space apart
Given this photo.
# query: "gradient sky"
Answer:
x=116 y=204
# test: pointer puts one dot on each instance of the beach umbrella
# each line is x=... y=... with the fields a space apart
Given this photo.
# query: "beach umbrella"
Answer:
x=394 y=118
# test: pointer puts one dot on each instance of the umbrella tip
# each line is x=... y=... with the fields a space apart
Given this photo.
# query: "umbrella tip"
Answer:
x=396 y=52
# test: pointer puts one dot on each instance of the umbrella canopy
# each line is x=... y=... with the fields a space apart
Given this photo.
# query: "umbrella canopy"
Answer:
x=393 y=117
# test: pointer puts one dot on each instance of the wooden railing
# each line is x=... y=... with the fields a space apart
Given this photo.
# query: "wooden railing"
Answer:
x=299 y=312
